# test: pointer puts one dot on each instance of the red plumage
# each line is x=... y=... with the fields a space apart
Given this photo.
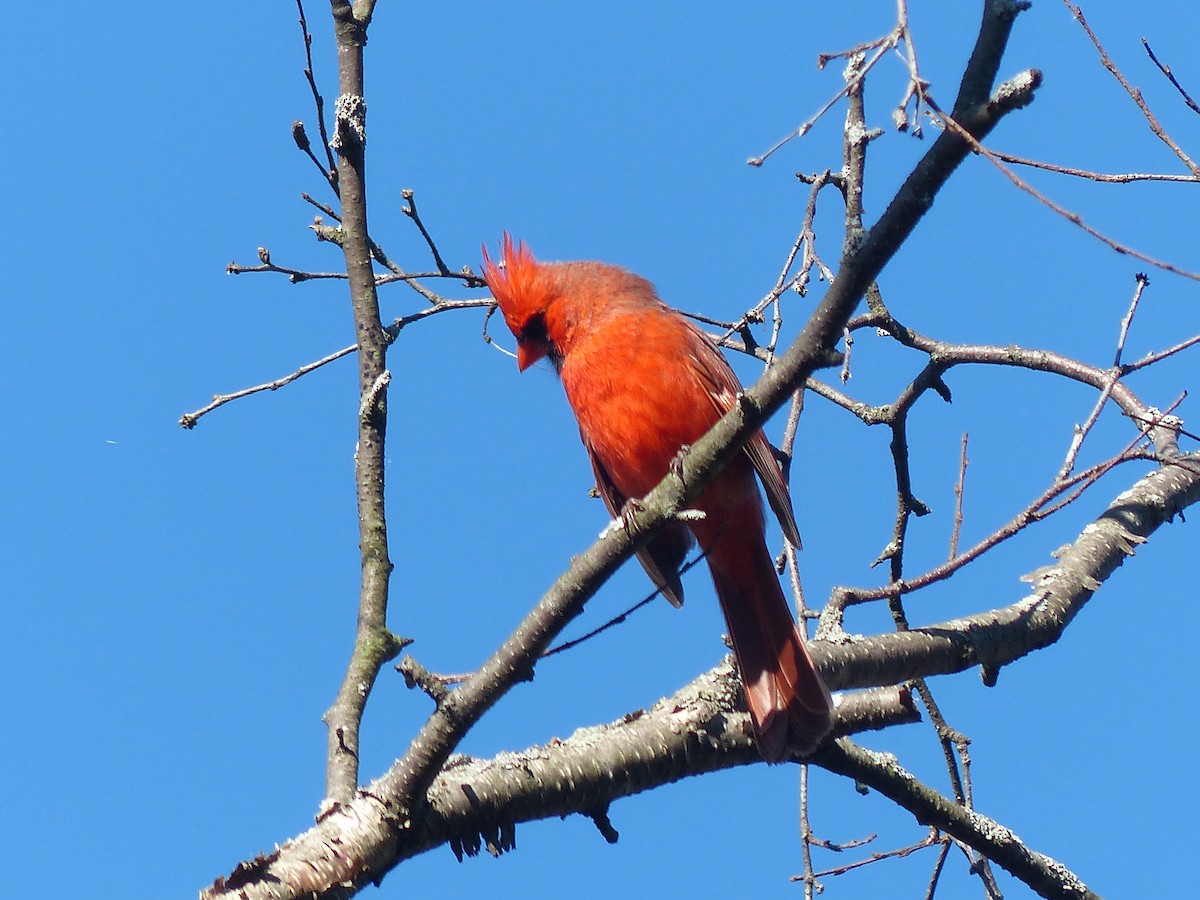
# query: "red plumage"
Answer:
x=643 y=383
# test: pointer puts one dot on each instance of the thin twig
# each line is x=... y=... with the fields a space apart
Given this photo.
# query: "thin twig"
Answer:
x=330 y=172
x=1047 y=876
x=1148 y=426
x=917 y=85
x=298 y=276
x=786 y=454
x=1073 y=218
x=1151 y=358
x=950 y=740
x=1082 y=431
x=1103 y=177
x=938 y=867
x=1133 y=92
x=1039 y=508
x=300 y=137
x=978 y=864
x=899 y=853
x=411 y=212
x=811 y=885
x=1142 y=281
x=323 y=207
x=617 y=619
x=806 y=240
x=958 y=498
x=1166 y=70
x=882 y=45
x=443 y=306
x=189 y=420
x=295 y=276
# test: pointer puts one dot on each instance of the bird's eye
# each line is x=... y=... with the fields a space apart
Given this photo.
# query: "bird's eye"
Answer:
x=534 y=330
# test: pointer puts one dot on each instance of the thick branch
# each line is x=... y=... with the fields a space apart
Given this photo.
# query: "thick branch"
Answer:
x=479 y=802
x=698 y=730
x=995 y=639
x=374 y=645
x=882 y=772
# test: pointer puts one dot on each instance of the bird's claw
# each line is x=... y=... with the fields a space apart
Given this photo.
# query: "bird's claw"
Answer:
x=623 y=519
x=676 y=464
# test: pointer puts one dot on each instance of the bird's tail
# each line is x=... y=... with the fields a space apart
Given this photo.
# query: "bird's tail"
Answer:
x=789 y=703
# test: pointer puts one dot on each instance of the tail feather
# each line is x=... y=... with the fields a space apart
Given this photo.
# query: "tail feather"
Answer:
x=789 y=703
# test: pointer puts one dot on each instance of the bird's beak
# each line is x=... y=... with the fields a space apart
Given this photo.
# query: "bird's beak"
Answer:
x=530 y=349
x=526 y=356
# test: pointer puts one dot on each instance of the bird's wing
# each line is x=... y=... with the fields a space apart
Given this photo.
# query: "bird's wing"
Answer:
x=662 y=557
x=762 y=455
x=723 y=388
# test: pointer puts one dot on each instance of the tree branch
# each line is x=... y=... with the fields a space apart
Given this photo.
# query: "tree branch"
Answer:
x=882 y=772
x=374 y=645
x=701 y=728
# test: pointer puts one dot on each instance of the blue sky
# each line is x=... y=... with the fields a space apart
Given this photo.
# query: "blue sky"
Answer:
x=180 y=605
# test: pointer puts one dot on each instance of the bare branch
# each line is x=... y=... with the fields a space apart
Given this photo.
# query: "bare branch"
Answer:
x=1074 y=218
x=880 y=46
x=329 y=170
x=1047 y=876
x=1037 y=509
x=958 y=499
x=374 y=644
x=474 y=803
x=1142 y=280
x=931 y=840
x=295 y=276
x=1082 y=431
x=696 y=730
x=1102 y=177
x=1151 y=358
x=323 y=207
x=1134 y=94
x=411 y=211
x=1166 y=70
x=189 y=420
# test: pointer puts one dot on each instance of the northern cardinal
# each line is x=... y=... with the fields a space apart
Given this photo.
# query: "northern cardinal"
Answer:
x=644 y=383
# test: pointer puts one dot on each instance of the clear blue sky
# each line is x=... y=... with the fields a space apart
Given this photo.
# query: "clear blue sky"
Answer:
x=178 y=607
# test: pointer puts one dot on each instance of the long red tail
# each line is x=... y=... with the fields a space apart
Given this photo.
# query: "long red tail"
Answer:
x=789 y=702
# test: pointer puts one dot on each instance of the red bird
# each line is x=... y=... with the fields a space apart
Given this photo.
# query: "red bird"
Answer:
x=644 y=383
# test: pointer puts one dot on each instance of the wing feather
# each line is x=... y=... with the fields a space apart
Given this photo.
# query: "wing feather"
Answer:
x=723 y=388
x=662 y=557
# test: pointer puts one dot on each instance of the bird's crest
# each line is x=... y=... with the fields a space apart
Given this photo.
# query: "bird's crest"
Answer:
x=513 y=283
